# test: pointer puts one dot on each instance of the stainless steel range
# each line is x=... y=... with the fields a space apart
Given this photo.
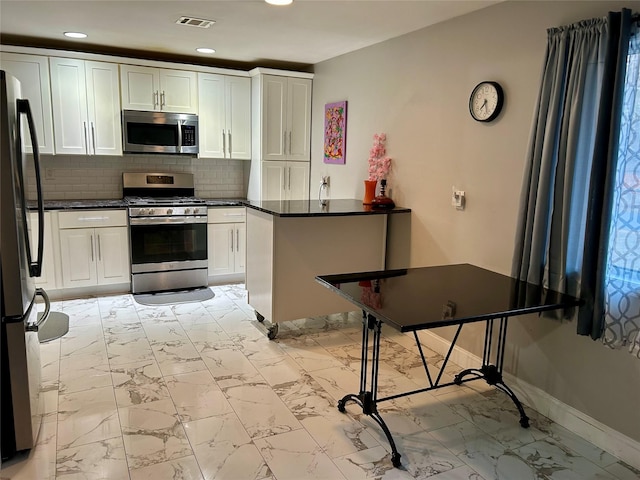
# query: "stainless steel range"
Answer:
x=167 y=232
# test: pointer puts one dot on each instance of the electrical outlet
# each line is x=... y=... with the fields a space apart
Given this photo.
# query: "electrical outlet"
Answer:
x=48 y=173
x=457 y=199
x=325 y=180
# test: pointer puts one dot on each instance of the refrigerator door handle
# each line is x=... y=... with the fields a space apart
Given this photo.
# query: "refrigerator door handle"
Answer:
x=35 y=268
x=33 y=327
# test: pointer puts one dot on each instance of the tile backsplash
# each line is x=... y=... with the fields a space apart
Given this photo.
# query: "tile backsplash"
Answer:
x=76 y=177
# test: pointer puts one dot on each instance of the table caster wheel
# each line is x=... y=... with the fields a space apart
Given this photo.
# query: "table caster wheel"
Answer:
x=524 y=422
x=341 y=406
x=395 y=459
x=259 y=317
x=457 y=380
x=272 y=333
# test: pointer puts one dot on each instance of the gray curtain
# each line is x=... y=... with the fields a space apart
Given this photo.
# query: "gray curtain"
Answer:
x=562 y=234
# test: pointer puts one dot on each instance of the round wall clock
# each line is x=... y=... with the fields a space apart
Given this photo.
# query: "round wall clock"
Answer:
x=486 y=101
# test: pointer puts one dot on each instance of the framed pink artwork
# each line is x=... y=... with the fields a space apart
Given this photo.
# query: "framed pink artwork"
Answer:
x=335 y=132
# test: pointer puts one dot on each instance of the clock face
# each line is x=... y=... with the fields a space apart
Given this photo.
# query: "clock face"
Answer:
x=486 y=101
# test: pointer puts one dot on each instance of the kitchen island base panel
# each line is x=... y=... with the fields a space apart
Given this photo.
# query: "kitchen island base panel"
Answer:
x=284 y=254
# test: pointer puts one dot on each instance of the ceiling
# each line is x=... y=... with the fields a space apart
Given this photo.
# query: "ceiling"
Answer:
x=247 y=33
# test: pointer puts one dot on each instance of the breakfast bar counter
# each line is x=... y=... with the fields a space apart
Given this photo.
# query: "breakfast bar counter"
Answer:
x=289 y=243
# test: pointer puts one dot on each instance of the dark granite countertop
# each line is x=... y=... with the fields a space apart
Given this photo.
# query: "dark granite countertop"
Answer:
x=78 y=204
x=96 y=204
x=312 y=208
x=225 y=202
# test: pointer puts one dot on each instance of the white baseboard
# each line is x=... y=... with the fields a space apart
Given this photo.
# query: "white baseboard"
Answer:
x=602 y=436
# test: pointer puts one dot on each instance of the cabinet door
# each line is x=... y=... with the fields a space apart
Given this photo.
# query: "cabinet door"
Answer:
x=47 y=279
x=221 y=256
x=298 y=181
x=103 y=108
x=238 y=117
x=178 y=91
x=33 y=73
x=140 y=88
x=112 y=247
x=273 y=118
x=240 y=247
x=299 y=119
x=77 y=252
x=274 y=180
x=69 y=99
x=211 y=120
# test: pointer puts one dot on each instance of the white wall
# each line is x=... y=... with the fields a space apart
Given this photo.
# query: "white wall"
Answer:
x=416 y=88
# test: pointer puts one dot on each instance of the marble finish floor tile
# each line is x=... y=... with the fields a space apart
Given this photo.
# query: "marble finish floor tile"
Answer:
x=196 y=395
x=153 y=433
x=98 y=460
x=185 y=468
x=140 y=382
x=86 y=417
x=295 y=455
x=197 y=392
x=224 y=449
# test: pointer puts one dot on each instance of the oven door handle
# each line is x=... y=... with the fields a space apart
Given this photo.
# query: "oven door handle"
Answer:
x=187 y=219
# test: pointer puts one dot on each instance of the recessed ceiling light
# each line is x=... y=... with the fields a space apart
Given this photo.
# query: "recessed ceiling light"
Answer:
x=279 y=2
x=205 y=50
x=75 y=35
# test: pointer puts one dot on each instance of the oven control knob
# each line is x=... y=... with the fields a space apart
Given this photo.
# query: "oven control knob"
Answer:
x=187 y=211
x=151 y=211
x=169 y=211
x=142 y=211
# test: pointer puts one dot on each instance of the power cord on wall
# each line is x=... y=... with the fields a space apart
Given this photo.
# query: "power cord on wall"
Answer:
x=323 y=192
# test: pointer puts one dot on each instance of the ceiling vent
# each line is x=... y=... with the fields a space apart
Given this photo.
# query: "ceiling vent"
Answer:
x=195 y=22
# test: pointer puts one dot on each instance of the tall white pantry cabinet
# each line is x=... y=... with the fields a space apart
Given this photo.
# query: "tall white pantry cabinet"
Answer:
x=281 y=125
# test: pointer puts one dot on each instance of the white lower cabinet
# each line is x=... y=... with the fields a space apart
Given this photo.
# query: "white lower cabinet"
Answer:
x=47 y=279
x=227 y=241
x=94 y=248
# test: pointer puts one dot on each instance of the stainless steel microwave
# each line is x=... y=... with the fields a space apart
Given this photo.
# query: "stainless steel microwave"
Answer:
x=159 y=132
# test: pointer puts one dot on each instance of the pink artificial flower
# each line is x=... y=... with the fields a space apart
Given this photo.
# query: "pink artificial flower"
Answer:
x=379 y=163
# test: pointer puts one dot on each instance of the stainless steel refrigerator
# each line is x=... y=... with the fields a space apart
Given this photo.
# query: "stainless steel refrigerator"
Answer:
x=21 y=404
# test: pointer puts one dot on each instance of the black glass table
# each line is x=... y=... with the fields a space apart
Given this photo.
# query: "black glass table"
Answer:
x=430 y=297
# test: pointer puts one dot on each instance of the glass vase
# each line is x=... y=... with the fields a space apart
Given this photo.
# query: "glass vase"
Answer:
x=369 y=191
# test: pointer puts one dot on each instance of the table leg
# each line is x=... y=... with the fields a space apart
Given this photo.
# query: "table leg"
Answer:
x=367 y=399
x=492 y=374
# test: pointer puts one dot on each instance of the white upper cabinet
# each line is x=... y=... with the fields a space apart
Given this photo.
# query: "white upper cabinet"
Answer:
x=159 y=89
x=285 y=180
x=286 y=118
x=224 y=119
x=86 y=107
x=33 y=73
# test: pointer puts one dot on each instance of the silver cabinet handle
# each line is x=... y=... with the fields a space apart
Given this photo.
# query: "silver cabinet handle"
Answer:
x=162 y=102
x=289 y=142
x=284 y=143
x=92 y=219
x=155 y=99
x=224 y=143
x=229 y=142
x=92 y=258
x=86 y=138
x=99 y=248
x=289 y=178
x=93 y=137
x=237 y=239
x=231 y=232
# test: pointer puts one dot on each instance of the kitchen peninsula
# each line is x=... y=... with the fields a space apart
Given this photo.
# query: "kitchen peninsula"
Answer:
x=290 y=242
